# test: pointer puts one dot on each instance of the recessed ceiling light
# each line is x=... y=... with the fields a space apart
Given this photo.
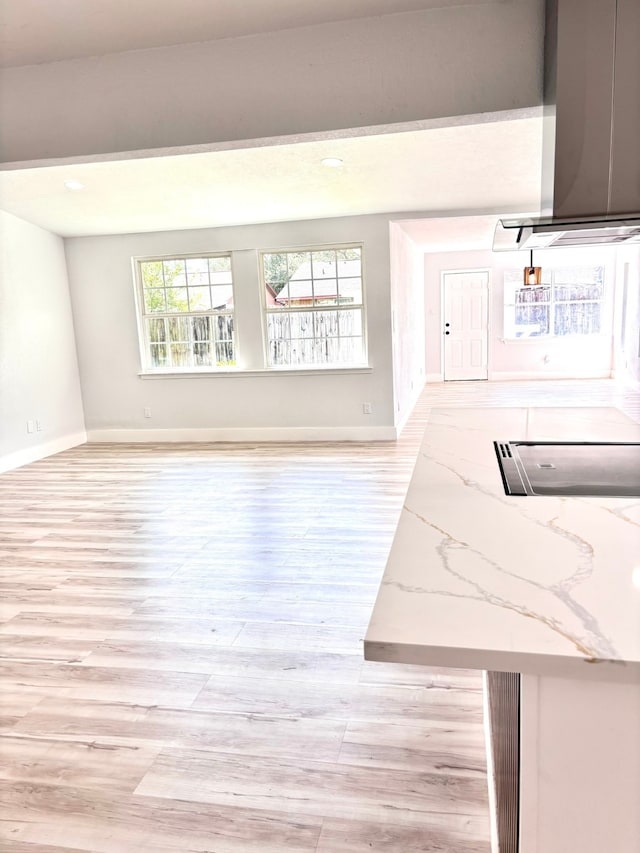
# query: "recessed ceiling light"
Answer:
x=332 y=162
x=72 y=184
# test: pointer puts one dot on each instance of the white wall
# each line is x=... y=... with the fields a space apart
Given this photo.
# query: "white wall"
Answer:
x=467 y=59
x=553 y=358
x=38 y=367
x=264 y=406
x=407 y=310
x=627 y=314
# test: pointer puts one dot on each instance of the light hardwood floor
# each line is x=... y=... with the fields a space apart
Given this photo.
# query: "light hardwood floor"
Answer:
x=182 y=670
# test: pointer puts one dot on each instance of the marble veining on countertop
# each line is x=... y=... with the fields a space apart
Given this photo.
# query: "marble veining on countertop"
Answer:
x=477 y=578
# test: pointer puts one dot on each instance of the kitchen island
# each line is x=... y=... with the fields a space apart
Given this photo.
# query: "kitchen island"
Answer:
x=548 y=587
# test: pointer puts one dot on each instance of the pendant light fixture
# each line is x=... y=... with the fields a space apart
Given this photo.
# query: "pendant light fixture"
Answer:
x=532 y=275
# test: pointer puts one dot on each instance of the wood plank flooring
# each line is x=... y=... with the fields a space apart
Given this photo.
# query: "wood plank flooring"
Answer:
x=181 y=629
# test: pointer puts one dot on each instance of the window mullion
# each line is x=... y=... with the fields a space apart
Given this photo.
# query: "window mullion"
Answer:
x=248 y=320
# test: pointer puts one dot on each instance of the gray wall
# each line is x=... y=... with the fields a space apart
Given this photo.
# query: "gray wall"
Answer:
x=255 y=405
x=38 y=366
x=475 y=58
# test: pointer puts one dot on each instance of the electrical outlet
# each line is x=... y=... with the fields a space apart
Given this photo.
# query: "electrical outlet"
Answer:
x=366 y=408
x=38 y=426
x=30 y=426
x=147 y=412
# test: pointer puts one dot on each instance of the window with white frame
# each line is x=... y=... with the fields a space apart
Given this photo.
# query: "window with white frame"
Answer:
x=186 y=312
x=568 y=302
x=314 y=307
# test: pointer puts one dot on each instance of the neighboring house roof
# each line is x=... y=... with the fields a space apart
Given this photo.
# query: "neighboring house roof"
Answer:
x=271 y=296
x=327 y=269
x=324 y=285
x=222 y=296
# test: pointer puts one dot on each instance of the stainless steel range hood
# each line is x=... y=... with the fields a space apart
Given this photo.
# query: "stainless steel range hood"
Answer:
x=550 y=232
x=591 y=137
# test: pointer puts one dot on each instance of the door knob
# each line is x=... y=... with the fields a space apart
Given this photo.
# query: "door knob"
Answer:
x=447 y=333
x=447 y=324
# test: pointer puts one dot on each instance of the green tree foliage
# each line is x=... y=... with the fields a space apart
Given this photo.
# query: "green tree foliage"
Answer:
x=165 y=286
x=222 y=264
x=276 y=273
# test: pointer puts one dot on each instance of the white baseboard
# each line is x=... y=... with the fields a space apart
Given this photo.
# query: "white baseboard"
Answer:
x=31 y=454
x=516 y=375
x=245 y=434
x=435 y=377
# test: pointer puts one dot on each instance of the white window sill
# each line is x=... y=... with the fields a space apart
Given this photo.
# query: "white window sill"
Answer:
x=539 y=338
x=532 y=340
x=269 y=371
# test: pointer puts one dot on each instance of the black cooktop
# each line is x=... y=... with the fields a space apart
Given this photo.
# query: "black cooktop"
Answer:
x=576 y=468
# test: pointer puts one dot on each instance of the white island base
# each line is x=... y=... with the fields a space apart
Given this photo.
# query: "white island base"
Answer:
x=548 y=587
x=579 y=766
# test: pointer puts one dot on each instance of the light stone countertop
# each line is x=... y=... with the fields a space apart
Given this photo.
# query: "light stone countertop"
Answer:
x=479 y=579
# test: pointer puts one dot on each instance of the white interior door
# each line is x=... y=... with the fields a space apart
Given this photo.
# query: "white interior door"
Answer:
x=465 y=324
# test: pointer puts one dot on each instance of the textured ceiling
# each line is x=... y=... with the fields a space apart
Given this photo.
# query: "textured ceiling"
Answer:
x=494 y=166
